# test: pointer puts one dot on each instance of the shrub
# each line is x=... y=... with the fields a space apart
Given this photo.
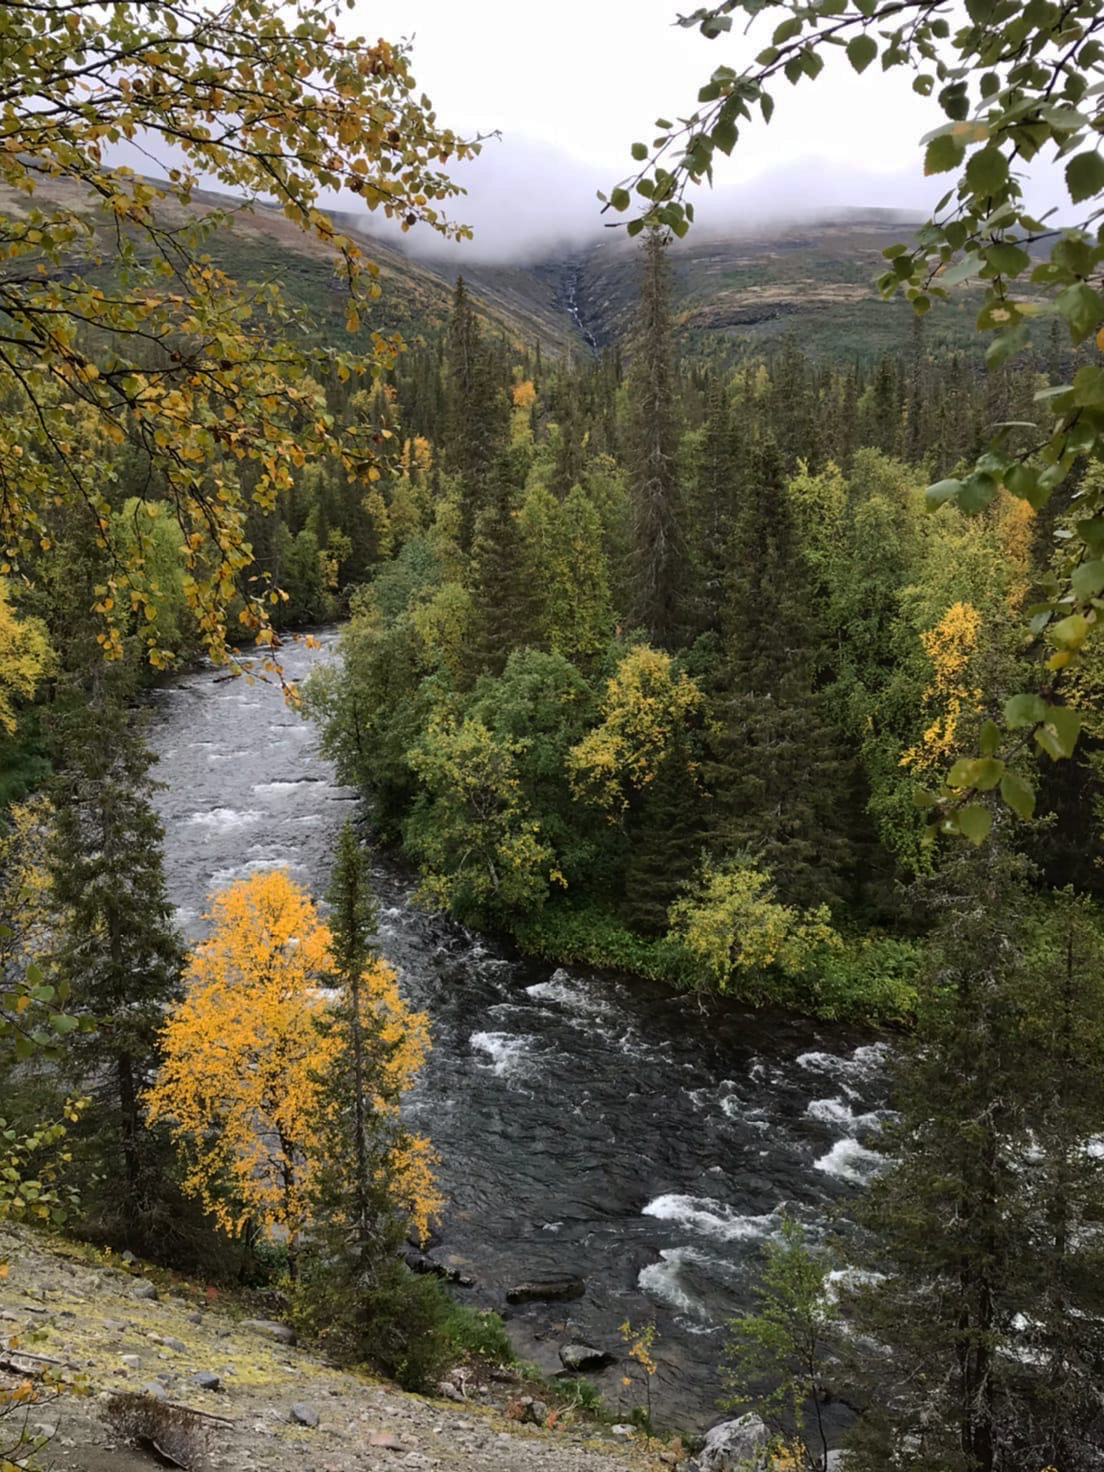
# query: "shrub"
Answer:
x=482 y=1335
x=872 y=979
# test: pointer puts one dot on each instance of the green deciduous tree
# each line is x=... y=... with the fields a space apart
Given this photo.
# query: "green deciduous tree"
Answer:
x=480 y=846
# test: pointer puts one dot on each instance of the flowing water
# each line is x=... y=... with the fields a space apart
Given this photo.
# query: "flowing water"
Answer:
x=586 y=1124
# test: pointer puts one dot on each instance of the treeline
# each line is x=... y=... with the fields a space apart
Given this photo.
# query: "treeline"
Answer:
x=660 y=653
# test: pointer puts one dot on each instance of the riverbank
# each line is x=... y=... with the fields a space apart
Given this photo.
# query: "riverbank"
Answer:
x=101 y=1327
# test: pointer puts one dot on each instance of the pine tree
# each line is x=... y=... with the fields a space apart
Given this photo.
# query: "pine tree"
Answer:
x=658 y=557
x=116 y=949
x=774 y=769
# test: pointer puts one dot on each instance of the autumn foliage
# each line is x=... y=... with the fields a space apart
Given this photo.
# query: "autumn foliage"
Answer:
x=245 y=1059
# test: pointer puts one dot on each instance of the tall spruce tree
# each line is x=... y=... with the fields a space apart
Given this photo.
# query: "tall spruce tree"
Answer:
x=477 y=410
x=775 y=768
x=374 y=1184
x=498 y=575
x=986 y=1312
x=709 y=521
x=118 y=951
x=658 y=557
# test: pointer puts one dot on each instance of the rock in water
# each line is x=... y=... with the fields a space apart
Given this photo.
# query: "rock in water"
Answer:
x=282 y=1333
x=546 y=1290
x=736 y=1446
x=584 y=1357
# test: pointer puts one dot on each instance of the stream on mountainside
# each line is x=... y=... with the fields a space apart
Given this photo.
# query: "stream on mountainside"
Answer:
x=585 y=1123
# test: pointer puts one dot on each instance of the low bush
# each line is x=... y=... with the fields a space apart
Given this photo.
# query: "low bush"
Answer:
x=479 y=1334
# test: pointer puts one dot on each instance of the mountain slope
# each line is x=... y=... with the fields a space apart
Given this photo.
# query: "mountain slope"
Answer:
x=732 y=294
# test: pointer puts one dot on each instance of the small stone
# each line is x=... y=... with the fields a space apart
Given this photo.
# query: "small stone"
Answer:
x=205 y=1380
x=195 y=1318
x=156 y=1389
x=114 y=1326
x=128 y=1257
x=304 y=1415
x=282 y=1333
x=385 y=1440
x=538 y=1412
x=143 y=1289
x=623 y=1429
x=132 y=1361
x=175 y=1344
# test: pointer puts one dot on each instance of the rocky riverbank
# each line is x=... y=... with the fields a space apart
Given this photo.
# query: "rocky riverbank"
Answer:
x=262 y=1403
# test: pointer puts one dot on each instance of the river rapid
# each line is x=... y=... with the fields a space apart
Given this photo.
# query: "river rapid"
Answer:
x=585 y=1123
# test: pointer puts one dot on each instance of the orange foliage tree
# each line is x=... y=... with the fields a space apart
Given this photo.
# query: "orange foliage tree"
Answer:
x=237 y=1085
x=247 y=1054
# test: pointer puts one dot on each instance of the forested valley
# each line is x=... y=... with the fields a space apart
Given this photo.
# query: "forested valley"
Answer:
x=713 y=691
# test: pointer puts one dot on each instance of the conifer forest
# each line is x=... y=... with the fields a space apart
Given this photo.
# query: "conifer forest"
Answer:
x=552 y=800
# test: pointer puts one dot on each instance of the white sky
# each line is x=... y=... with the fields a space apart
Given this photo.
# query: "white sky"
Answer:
x=572 y=84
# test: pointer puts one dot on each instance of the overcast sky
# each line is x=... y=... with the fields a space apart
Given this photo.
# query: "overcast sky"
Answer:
x=571 y=84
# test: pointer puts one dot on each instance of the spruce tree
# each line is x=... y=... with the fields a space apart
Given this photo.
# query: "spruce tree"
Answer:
x=709 y=520
x=374 y=1183
x=658 y=557
x=775 y=768
x=987 y=1311
x=498 y=575
x=476 y=410
x=116 y=948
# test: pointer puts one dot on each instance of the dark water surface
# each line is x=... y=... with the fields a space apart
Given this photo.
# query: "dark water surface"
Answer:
x=585 y=1124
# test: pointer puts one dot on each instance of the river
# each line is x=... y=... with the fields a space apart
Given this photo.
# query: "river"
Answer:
x=585 y=1124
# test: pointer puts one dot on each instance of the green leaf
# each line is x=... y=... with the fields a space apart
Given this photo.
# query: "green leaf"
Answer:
x=943 y=490
x=787 y=30
x=1018 y=795
x=960 y=773
x=1081 y=307
x=1024 y=710
x=62 y=1023
x=1070 y=633
x=640 y=152
x=1088 y=386
x=974 y=823
x=1057 y=736
x=968 y=266
x=724 y=135
x=1088 y=579
x=989 y=739
x=988 y=771
x=1085 y=176
x=987 y=171
x=620 y=199
x=861 y=51
x=1007 y=259
x=942 y=154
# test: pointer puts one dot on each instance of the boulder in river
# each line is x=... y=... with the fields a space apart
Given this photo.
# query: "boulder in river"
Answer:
x=736 y=1446
x=546 y=1290
x=576 y=1357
